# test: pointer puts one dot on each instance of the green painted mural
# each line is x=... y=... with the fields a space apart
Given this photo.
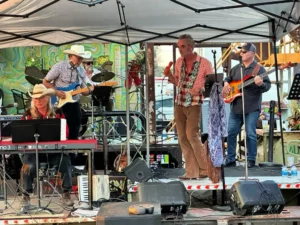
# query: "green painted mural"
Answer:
x=14 y=60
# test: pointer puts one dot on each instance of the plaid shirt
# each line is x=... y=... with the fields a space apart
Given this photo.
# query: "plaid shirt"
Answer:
x=63 y=75
x=195 y=79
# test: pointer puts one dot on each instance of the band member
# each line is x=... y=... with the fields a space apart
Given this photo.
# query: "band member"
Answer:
x=64 y=74
x=41 y=109
x=88 y=65
x=253 y=99
x=189 y=77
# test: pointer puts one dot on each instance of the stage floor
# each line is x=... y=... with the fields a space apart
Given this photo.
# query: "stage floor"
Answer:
x=206 y=216
x=231 y=176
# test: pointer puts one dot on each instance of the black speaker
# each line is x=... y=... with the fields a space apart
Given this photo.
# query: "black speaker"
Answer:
x=138 y=171
x=250 y=197
x=171 y=195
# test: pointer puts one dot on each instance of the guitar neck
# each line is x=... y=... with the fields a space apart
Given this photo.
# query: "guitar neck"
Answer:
x=79 y=91
x=250 y=81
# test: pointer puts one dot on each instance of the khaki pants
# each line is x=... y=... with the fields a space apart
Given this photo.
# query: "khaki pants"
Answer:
x=187 y=124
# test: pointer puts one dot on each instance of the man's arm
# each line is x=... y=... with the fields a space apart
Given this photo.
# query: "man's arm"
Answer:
x=52 y=75
x=263 y=84
x=83 y=84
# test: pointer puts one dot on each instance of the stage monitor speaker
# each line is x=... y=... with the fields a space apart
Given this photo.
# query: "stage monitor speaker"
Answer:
x=138 y=171
x=171 y=195
x=250 y=197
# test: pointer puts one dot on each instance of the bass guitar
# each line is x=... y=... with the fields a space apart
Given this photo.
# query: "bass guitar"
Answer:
x=237 y=85
x=70 y=92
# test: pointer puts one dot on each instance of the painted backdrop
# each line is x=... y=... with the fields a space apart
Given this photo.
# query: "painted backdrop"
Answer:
x=14 y=60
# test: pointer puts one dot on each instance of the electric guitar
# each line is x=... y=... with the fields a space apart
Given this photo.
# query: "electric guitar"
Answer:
x=236 y=86
x=70 y=92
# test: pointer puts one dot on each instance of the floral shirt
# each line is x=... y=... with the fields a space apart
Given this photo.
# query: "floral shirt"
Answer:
x=195 y=79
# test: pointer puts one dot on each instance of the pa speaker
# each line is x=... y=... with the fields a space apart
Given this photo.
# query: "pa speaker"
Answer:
x=138 y=171
x=249 y=197
x=171 y=195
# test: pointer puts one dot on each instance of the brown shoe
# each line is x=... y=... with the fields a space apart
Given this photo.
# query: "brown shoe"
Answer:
x=66 y=199
x=186 y=178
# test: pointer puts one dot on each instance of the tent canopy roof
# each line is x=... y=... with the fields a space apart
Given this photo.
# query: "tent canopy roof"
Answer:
x=58 y=22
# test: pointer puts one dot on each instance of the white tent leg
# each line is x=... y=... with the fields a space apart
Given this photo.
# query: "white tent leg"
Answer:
x=127 y=107
x=147 y=111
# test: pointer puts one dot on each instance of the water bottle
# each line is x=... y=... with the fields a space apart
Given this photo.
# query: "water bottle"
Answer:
x=164 y=135
x=294 y=173
x=284 y=171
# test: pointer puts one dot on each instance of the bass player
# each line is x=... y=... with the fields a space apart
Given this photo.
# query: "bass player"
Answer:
x=252 y=98
x=65 y=74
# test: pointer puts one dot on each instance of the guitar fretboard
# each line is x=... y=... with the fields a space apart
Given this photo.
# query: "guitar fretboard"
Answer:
x=250 y=81
x=107 y=83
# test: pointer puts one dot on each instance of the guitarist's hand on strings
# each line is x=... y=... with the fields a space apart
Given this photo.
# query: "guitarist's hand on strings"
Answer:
x=258 y=81
x=226 y=89
x=60 y=94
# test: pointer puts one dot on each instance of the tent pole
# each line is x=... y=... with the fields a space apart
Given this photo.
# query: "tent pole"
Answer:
x=147 y=109
x=127 y=107
x=277 y=86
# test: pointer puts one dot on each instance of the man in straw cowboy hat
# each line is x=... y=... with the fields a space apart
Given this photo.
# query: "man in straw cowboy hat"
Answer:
x=66 y=73
x=41 y=109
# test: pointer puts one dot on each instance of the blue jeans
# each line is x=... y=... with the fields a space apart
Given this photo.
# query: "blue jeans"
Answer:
x=234 y=127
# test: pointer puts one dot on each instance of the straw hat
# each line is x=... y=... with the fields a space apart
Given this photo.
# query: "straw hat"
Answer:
x=78 y=50
x=39 y=90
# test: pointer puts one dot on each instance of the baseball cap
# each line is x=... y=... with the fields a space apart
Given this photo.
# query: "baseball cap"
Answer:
x=248 y=47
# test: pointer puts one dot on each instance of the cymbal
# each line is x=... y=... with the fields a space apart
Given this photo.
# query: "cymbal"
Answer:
x=33 y=71
x=33 y=80
x=103 y=76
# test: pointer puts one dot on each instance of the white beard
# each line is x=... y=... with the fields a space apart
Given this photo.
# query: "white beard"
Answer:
x=88 y=68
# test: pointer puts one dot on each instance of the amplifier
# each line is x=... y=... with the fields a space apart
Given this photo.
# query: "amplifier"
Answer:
x=171 y=195
x=250 y=197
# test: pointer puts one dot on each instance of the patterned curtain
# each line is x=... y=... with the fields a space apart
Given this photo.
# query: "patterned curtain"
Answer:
x=217 y=125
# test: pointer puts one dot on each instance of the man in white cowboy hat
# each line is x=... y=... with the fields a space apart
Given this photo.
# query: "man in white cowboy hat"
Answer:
x=64 y=74
x=41 y=109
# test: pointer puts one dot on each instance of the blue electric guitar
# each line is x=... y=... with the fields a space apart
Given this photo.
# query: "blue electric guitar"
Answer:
x=70 y=92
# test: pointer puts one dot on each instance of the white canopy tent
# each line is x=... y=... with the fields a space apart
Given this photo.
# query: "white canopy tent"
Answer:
x=60 y=22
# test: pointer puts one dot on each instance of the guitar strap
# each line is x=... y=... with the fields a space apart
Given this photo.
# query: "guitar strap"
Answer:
x=256 y=69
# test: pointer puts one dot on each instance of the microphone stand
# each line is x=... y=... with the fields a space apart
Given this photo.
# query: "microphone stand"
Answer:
x=244 y=118
x=39 y=208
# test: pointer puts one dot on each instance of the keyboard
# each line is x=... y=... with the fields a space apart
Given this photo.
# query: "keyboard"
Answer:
x=101 y=189
x=10 y=117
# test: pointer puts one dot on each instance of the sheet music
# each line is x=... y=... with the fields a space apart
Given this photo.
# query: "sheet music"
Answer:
x=63 y=129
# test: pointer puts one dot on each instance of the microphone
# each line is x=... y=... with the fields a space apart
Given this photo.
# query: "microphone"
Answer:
x=167 y=69
x=9 y=105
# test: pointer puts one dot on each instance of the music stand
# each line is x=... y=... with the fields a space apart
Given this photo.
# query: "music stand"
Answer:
x=210 y=79
x=294 y=93
x=101 y=95
x=33 y=131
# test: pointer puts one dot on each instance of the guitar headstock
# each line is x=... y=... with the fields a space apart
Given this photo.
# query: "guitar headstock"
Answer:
x=285 y=66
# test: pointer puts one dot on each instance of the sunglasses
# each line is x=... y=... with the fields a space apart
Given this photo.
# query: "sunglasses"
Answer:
x=244 y=51
x=89 y=63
